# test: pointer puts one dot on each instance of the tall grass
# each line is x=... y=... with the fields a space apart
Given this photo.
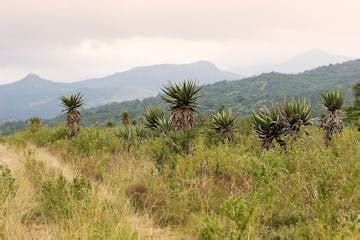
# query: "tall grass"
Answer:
x=214 y=191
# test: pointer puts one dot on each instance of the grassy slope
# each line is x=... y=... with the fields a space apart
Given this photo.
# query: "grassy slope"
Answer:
x=219 y=191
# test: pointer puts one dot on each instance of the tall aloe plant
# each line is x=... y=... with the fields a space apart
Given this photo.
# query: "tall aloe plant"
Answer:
x=183 y=99
x=71 y=108
x=332 y=123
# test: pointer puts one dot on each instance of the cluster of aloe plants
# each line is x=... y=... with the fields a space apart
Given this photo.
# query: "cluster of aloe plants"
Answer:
x=270 y=124
x=279 y=121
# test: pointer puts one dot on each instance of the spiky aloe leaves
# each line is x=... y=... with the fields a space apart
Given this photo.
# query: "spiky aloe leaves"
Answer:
x=268 y=125
x=183 y=99
x=71 y=108
x=332 y=100
x=224 y=123
x=152 y=116
x=332 y=123
x=282 y=120
x=297 y=113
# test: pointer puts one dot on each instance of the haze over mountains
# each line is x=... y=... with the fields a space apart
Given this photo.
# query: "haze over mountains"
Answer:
x=35 y=96
x=297 y=64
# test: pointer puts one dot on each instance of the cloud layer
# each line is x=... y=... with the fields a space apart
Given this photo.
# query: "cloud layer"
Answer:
x=72 y=40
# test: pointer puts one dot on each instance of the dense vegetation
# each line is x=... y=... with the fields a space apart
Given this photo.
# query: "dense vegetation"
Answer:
x=309 y=191
x=206 y=178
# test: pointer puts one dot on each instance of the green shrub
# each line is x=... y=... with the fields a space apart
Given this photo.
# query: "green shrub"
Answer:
x=8 y=186
x=57 y=196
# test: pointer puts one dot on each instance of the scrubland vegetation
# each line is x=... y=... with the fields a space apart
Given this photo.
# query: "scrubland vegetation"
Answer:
x=192 y=178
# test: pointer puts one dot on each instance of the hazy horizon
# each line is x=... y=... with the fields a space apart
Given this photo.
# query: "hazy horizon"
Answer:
x=74 y=40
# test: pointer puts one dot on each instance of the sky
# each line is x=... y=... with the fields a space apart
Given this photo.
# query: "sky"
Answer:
x=77 y=39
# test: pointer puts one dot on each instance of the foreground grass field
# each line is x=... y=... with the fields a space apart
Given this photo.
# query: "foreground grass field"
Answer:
x=105 y=184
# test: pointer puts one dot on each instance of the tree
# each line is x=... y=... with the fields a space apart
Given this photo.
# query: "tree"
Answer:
x=332 y=122
x=71 y=108
x=183 y=99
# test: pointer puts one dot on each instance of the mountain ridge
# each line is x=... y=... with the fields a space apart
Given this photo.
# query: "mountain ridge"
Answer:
x=25 y=98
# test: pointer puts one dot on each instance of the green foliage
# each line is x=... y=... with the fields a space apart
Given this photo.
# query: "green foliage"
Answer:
x=332 y=123
x=58 y=196
x=218 y=191
x=125 y=117
x=297 y=112
x=332 y=100
x=268 y=125
x=183 y=99
x=152 y=116
x=164 y=124
x=8 y=186
x=184 y=94
x=34 y=124
x=280 y=121
x=353 y=111
x=74 y=101
x=237 y=212
x=224 y=122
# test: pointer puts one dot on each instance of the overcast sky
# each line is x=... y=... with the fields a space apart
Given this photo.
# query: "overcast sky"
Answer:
x=78 y=39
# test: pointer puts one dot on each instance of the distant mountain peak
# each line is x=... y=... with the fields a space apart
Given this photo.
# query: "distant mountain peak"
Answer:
x=319 y=55
x=31 y=76
x=33 y=80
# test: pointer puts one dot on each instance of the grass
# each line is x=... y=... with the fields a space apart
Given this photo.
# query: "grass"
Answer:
x=209 y=191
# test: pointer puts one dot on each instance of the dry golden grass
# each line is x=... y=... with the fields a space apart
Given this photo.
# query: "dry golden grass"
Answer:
x=15 y=209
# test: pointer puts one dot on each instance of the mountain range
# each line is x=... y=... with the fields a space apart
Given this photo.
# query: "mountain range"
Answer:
x=242 y=96
x=305 y=61
x=35 y=96
x=249 y=94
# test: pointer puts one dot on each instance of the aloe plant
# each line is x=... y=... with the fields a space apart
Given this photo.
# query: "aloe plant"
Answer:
x=34 y=124
x=223 y=122
x=71 y=108
x=152 y=116
x=297 y=113
x=332 y=123
x=125 y=117
x=183 y=99
x=269 y=125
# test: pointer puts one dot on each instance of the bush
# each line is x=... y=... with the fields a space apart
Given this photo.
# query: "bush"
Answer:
x=8 y=186
x=57 y=196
